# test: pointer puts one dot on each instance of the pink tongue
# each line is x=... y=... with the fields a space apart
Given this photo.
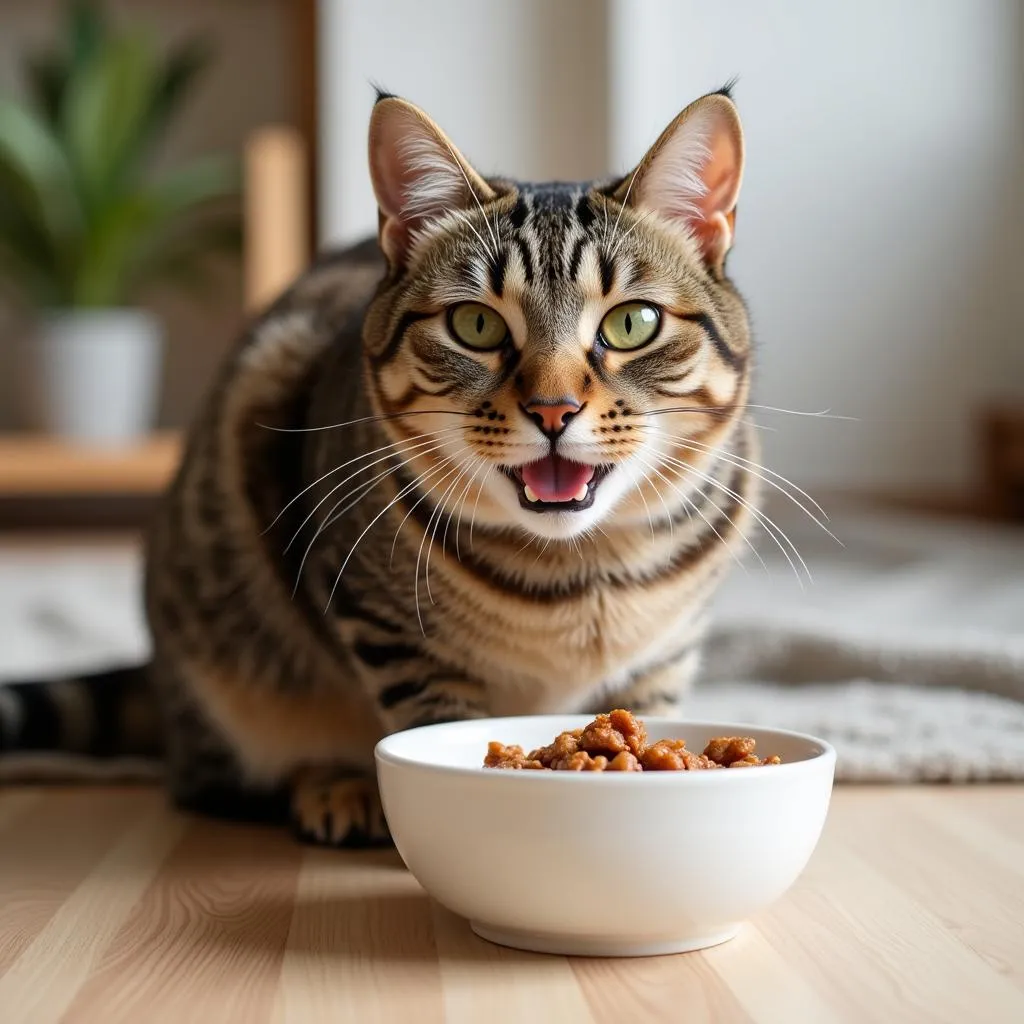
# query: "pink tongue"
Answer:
x=555 y=478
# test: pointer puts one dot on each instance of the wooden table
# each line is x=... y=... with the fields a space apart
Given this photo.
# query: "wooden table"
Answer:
x=114 y=909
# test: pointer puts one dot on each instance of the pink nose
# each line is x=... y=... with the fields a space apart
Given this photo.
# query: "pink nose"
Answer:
x=551 y=418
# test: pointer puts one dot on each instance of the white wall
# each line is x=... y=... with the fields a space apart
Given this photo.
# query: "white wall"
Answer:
x=879 y=229
x=519 y=86
x=878 y=235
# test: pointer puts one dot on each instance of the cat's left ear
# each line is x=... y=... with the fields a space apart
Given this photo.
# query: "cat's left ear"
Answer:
x=692 y=174
x=418 y=175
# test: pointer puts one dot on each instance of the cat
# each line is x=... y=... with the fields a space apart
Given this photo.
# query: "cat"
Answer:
x=494 y=461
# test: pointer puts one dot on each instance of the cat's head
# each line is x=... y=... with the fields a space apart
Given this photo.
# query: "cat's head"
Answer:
x=557 y=357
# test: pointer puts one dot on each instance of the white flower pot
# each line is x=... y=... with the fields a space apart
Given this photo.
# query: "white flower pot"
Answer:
x=93 y=375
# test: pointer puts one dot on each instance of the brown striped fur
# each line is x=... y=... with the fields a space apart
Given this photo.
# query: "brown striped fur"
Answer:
x=272 y=665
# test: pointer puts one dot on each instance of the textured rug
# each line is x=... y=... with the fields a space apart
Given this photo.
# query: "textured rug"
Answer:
x=906 y=652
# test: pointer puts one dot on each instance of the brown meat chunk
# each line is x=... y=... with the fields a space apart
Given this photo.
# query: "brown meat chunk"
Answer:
x=617 y=742
x=614 y=733
x=624 y=761
x=581 y=761
x=561 y=748
x=672 y=756
x=729 y=749
x=500 y=756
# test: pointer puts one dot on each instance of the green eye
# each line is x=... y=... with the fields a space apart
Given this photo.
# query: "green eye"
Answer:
x=477 y=326
x=630 y=325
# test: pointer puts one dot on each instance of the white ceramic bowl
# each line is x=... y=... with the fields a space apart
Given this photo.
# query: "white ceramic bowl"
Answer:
x=595 y=863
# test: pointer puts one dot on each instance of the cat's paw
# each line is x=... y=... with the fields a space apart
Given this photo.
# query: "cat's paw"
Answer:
x=338 y=811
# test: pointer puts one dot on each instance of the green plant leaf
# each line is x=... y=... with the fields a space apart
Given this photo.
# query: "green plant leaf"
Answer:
x=46 y=76
x=202 y=181
x=175 y=79
x=105 y=112
x=186 y=260
x=134 y=231
x=38 y=186
x=87 y=28
x=49 y=72
x=79 y=222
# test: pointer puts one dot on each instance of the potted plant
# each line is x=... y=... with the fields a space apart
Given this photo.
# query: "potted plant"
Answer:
x=86 y=225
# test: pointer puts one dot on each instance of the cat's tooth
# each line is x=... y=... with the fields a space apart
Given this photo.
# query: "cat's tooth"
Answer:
x=581 y=494
x=531 y=494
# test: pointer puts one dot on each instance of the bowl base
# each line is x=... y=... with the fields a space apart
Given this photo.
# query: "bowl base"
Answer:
x=579 y=945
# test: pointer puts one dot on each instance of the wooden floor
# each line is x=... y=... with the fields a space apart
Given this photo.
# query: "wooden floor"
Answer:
x=114 y=909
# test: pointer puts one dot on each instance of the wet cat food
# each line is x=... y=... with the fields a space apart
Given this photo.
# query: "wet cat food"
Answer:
x=617 y=742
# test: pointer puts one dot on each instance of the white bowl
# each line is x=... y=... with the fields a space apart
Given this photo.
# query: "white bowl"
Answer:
x=596 y=863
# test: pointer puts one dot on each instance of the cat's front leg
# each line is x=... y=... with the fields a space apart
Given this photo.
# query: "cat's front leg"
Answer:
x=335 y=806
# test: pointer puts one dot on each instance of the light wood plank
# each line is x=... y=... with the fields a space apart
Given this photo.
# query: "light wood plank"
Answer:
x=767 y=983
x=361 y=946
x=115 y=908
x=48 y=850
x=206 y=939
x=870 y=948
x=929 y=845
x=46 y=977
x=656 y=988
x=484 y=982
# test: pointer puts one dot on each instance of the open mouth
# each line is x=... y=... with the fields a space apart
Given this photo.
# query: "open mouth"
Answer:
x=554 y=484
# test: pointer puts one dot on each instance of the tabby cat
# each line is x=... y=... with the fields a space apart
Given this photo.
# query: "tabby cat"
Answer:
x=493 y=462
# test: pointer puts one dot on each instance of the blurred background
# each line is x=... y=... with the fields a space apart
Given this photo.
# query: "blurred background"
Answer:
x=186 y=158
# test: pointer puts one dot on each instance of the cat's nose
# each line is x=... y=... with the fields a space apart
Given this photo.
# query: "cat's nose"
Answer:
x=551 y=415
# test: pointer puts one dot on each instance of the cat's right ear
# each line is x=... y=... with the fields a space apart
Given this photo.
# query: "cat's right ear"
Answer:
x=418 y=175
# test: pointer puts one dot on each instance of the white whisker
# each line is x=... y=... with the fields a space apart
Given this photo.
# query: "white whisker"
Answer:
x=671 y=524
x=419 y=552
x=625 y=199
x=623 y=237
x=481 y=464
x=690 y=503
x=762 y=473
x=394 y=501
x=823 y=414
x=333 y=514
x=394 y=542
x=363 y=419
x=416 y=448
x=472 y=192
x=771 y=528
x=437 y=514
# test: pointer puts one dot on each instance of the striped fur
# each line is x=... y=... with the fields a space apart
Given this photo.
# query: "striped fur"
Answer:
x=344 y=553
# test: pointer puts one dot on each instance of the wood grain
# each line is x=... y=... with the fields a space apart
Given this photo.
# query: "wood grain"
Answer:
x=47 y=851
x=36 y=466
x=113 y=908
x=361 y=945
x=218 y=915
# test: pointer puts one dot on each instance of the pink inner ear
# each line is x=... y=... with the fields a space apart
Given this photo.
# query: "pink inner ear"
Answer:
x=694 y=175
x=387 y=173
x=720 y=174
x=388 y=170
x=415 y=174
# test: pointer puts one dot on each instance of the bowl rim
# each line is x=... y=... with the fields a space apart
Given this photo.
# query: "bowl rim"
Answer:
x=825 y=755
